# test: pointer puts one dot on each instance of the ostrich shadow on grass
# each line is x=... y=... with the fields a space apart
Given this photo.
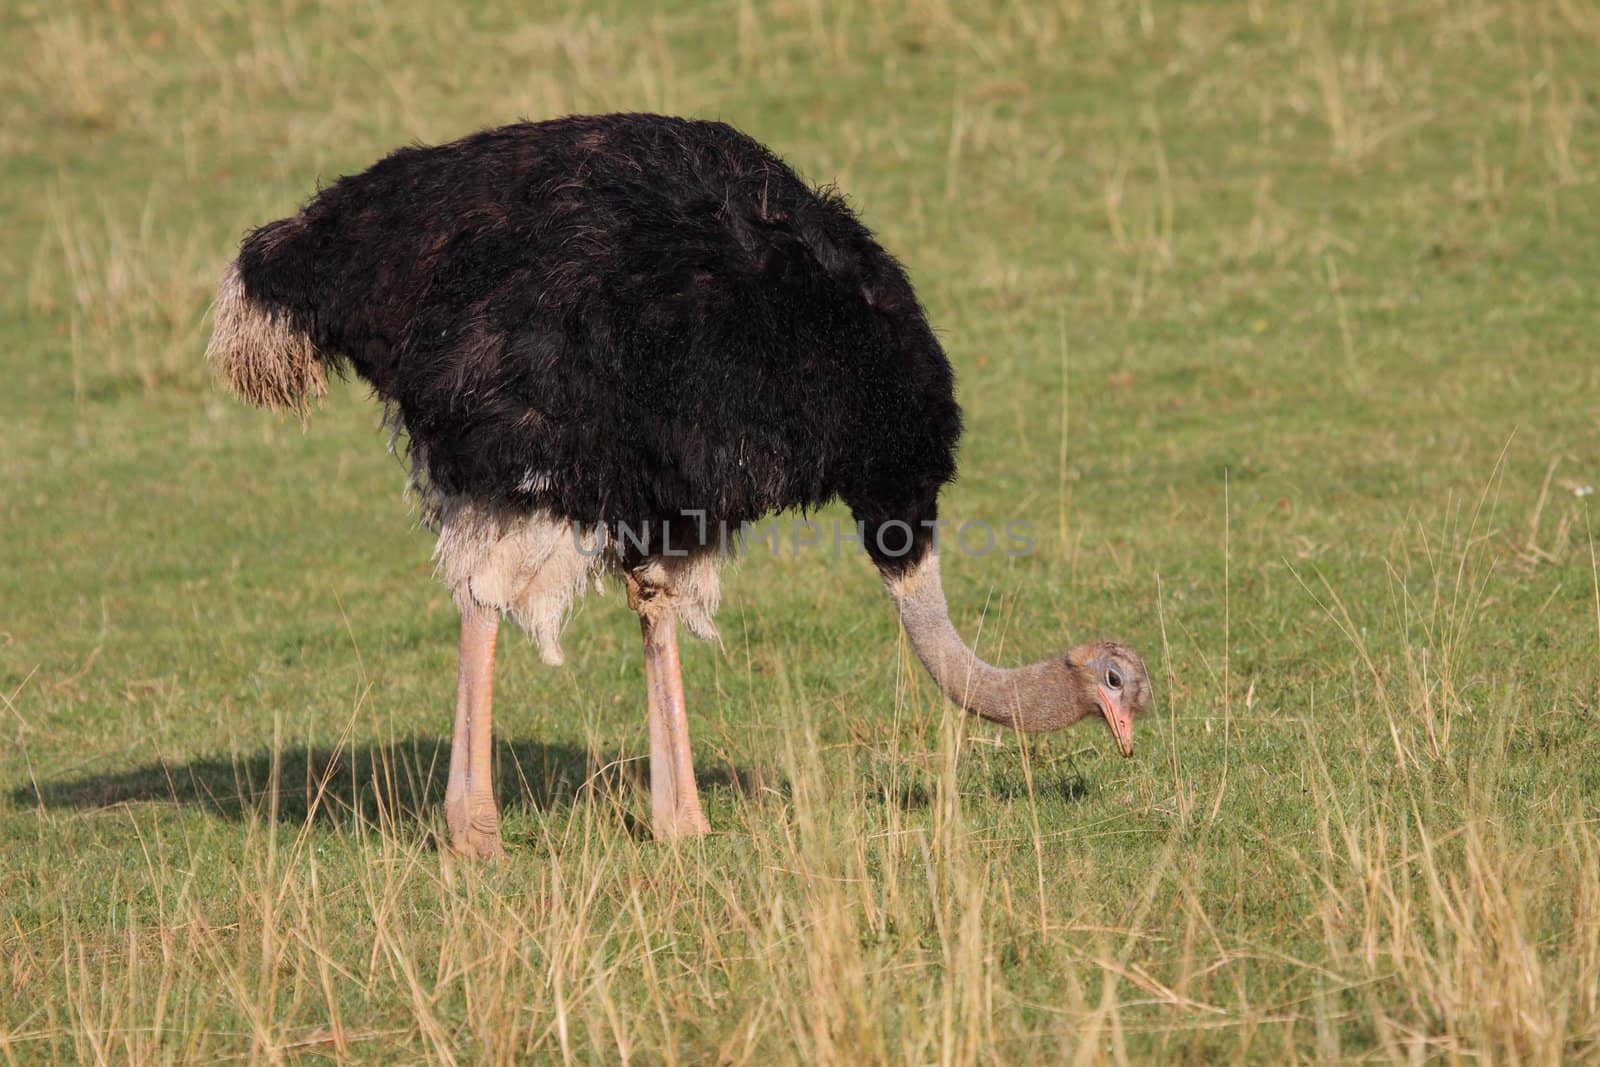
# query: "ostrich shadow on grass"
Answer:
x=1066 y=788
x=380 y=783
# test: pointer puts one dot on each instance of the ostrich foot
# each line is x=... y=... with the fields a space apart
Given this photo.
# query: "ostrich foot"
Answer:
x=474 y=827
x=681 y=822
x=475 y=844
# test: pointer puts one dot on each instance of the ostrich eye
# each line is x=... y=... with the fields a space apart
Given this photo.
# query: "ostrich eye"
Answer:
x=1113 y=679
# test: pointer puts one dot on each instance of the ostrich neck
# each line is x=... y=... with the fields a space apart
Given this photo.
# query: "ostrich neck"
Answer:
x=1032 y=698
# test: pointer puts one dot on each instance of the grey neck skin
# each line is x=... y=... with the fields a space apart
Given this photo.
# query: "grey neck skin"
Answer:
x=1036 y=698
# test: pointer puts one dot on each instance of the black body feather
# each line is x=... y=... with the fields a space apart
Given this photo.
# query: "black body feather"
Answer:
x=624 y=319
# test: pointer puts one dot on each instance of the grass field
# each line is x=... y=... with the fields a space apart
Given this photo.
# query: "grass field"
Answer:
x=1276 y=322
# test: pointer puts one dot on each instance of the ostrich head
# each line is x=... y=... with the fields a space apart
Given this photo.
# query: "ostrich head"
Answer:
x=1109 y=678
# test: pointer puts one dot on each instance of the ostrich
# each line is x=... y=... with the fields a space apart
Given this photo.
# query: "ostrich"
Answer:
x=608 y=339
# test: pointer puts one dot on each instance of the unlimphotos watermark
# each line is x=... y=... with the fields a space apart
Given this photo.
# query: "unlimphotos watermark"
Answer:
x=694 y=532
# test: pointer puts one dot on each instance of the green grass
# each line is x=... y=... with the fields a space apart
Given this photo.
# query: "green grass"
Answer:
x=1278 y=323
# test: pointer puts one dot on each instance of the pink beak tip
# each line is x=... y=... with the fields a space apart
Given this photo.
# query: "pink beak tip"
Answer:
x=1121 y=725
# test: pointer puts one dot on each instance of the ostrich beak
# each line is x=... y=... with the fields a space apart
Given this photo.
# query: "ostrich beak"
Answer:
x=1118 y=719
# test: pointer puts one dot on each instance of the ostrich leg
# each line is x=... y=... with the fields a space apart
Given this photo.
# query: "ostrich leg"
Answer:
x=674 y=801
x=469 y=803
